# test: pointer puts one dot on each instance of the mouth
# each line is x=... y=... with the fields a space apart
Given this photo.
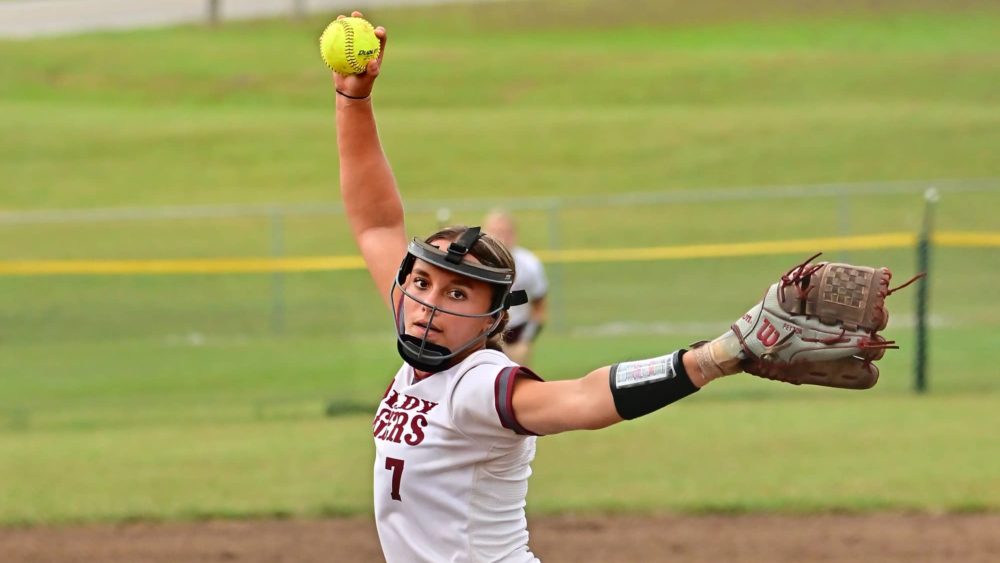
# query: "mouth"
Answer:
x=423 y=327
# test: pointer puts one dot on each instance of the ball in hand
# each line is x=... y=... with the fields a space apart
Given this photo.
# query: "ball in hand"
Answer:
x=348 y=44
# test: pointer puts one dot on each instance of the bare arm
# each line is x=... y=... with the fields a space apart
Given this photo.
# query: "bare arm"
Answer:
x=550 y=407
x=371 y=198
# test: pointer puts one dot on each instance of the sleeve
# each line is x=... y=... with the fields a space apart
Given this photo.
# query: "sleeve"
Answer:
x=539 y=284
x=482 y=402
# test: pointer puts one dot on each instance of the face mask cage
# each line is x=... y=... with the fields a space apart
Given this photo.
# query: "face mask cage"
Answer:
x=419 y=352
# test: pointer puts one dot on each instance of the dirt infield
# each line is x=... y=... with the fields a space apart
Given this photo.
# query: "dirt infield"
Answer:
x=829 y=538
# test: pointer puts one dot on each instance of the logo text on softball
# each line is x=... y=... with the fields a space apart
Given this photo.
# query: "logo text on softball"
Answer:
x=402 y=418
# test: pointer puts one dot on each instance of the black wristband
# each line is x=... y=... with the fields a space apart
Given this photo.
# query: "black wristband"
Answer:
x=350 y=97
x=639 y=388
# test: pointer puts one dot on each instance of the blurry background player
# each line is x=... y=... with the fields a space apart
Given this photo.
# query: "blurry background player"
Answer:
x=526 y=321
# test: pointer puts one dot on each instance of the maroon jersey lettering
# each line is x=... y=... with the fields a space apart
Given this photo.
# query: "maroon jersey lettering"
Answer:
x=426 y=406
x=395 y=432
x=393 y=397
x=409 y=403
x=381 y=420
x=402 y=418
x=416 y=435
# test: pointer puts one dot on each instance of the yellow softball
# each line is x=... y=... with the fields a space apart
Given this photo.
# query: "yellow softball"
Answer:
x=348 y=44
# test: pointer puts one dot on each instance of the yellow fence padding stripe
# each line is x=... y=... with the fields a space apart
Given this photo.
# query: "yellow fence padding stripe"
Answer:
x=198 y=266
x=968 y=240
x=331 y=263
x=892 y=240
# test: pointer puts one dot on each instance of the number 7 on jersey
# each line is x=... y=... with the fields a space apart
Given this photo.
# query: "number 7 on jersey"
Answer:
x=396 y=466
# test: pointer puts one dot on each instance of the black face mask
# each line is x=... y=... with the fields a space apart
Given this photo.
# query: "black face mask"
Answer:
x=417 y=351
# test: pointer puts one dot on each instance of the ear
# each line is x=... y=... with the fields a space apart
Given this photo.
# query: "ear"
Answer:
x=493 y=319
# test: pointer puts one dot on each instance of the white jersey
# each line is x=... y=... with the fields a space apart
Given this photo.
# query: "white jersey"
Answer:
x=452 y=465
x=530 y=276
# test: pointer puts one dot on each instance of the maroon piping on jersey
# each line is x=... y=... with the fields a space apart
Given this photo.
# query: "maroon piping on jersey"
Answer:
x=503 y=397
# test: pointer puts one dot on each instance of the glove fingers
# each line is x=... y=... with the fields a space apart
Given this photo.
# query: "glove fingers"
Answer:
x=845 y=373
x=873 y=347
x=840 y=295
x=872 y=354
x=842 y=373
x=881 y=312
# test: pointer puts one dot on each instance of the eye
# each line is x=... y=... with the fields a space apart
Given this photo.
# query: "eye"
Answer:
x=456 y=294
x=420 y=283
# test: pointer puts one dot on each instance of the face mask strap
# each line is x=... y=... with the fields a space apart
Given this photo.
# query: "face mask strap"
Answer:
x=458 y=249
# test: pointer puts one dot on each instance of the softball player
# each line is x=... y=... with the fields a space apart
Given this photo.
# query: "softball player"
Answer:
x=455 y=431
x=526 y=321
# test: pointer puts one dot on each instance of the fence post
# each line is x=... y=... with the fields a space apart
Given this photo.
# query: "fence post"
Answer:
x=923 y=265
x=213 y=11
x=844 y=222
x=298 y=10
x=277 y=278
x=555 y=294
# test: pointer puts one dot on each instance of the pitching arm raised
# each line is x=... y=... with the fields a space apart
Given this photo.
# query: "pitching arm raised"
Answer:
x=367 y=185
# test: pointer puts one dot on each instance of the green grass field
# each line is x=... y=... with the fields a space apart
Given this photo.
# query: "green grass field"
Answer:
x=164 y=397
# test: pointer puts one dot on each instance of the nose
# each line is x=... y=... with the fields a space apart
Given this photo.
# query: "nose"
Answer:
x=422 y=307
x=427 y=302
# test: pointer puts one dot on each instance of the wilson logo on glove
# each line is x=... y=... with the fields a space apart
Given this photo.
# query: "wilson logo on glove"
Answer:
x=768 y=335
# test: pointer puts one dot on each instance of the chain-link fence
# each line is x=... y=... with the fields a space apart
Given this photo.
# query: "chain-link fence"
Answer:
x=181 y=329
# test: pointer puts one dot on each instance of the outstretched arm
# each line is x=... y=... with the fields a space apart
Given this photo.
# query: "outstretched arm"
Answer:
x=371 y=198
x=587 y=403
x=818 y=325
